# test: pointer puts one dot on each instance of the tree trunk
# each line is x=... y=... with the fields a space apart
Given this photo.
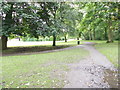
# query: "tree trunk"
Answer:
x=4 y=42
x=110 y=33
x=89 y=35
x=91 y=38
x=78 y=42
x=110 y=38
x=54 y=40
x=8 y=22
x=84 y=36
x=79 y=35
x=106 y=38
x=65 y=38
x=19 y=39
x=94 y=34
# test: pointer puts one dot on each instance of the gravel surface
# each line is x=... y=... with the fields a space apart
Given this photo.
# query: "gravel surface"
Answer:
x=95 y=71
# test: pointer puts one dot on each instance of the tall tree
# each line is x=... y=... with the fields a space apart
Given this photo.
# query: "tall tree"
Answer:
x=7 y=23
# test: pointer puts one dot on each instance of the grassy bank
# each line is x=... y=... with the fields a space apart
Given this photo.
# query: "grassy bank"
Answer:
x=41 y=70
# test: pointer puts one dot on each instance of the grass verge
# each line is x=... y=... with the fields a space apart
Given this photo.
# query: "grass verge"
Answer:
x=110 y=50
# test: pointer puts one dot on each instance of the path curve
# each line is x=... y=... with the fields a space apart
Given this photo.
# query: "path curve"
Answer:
x=91 y=72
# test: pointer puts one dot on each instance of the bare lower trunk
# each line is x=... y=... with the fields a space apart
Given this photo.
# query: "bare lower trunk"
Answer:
x=106 y=37
x=78 y=42
x=90 y=35
x=54 y=40
x=65 y=38
x=84 y=36
x=19 y=39
x=4 y=42
x=110 y=33
x=110 y=38
x=94 y=35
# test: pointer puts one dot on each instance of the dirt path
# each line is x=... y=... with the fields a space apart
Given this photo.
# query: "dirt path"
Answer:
x=93 y=72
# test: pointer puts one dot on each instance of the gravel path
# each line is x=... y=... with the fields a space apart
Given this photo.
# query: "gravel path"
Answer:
x=94 y=71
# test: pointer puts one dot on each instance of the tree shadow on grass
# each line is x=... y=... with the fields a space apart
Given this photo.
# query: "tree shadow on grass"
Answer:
x=30 y=50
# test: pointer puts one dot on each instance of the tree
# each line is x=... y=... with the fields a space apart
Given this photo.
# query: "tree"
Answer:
x=24 y=20
x=12 y=20
x=7 y=24
x=93 y=21
x=70 y=17
x=99 y=21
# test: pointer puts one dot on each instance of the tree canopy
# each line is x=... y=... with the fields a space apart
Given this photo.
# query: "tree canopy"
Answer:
x=88 y=20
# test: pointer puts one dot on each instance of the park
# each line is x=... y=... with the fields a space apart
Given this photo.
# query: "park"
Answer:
x=59 y=44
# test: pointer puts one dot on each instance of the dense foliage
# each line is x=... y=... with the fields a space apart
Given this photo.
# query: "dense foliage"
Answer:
x=101 y=21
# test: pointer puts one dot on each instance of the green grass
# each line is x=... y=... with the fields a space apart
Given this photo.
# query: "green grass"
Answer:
x=30 y=49
x=37 y=48
x=73 y=43
x=95 y=41
x=41 y=70
x=110 y=50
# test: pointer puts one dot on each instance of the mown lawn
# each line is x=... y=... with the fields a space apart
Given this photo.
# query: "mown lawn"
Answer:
x=37 y=48
x=40 y=70
x=110 y=50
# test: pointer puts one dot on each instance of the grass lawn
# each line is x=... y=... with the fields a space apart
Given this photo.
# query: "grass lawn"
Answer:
x=73 y=43
x=37 y=48
x=110 y=50
x=95 y=41
x=40 y=70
